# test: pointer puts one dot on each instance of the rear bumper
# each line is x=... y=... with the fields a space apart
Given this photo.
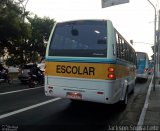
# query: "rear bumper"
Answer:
x=87 y=95
x=105 y=93
x=143 y=76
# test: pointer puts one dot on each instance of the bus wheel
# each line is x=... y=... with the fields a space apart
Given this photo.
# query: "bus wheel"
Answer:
x=132 y=92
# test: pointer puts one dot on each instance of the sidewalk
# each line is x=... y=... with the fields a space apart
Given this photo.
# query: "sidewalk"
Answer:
x=152 y=117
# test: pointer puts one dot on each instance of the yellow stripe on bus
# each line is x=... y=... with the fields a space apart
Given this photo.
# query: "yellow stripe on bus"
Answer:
x=84 y=70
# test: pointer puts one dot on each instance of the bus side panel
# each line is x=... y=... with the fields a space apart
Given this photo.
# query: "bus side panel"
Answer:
x=111 y=54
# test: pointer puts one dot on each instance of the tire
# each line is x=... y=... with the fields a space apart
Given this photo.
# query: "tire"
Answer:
x=23 y=82
x=74 y=101
x=132 y=91
x=8 y=80
x=31 y=84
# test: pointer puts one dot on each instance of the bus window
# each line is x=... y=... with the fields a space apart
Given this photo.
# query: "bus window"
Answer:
x=79 y=39
x=142 y=65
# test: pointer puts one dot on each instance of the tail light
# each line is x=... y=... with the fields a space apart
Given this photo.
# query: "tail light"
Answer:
x=145 y=69
x=111 y=69
x=111 y=73
x=111 y=76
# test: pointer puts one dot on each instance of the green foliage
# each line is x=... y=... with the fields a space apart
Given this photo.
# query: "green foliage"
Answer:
x=41 y=28
x=9 y=62
x=24 y=39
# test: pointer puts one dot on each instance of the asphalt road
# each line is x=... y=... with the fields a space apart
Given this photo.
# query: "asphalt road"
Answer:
x=22 y=108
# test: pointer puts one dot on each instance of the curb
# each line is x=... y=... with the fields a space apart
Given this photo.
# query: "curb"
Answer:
x=144 y=110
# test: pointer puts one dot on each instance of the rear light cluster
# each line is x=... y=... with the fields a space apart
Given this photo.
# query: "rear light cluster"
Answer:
x=145 y=70
x=111 y=73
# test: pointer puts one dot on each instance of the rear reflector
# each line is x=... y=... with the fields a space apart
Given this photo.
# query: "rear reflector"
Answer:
x=50 y=87
x=100 y=93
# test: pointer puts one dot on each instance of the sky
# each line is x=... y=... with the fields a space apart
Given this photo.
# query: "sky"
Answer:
x=134 y=20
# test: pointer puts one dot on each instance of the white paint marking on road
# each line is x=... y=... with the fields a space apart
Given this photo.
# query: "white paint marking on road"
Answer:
x=143 y=113
x=27 y=108
x=10 y=92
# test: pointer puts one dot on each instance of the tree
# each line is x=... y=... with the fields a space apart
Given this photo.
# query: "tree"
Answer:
x=41 y=28
x=14 y=31
x=21 y=35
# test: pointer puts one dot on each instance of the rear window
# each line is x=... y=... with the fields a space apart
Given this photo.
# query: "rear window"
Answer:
x=79 y=39
x=141 y=59
x=141 y=56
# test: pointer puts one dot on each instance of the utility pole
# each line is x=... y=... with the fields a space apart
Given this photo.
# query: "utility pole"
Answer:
x=155 y=20
x=23 y=22
x=158 y=44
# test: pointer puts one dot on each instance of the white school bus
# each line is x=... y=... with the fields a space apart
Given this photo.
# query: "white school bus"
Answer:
x=89 y=60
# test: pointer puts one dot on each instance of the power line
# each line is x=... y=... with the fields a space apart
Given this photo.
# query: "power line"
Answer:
x=144 y=43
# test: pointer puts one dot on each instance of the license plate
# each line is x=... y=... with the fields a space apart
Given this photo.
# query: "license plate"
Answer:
x=73 y=95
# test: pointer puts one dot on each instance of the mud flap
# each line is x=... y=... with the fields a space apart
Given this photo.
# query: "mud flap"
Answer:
x=124 y=85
